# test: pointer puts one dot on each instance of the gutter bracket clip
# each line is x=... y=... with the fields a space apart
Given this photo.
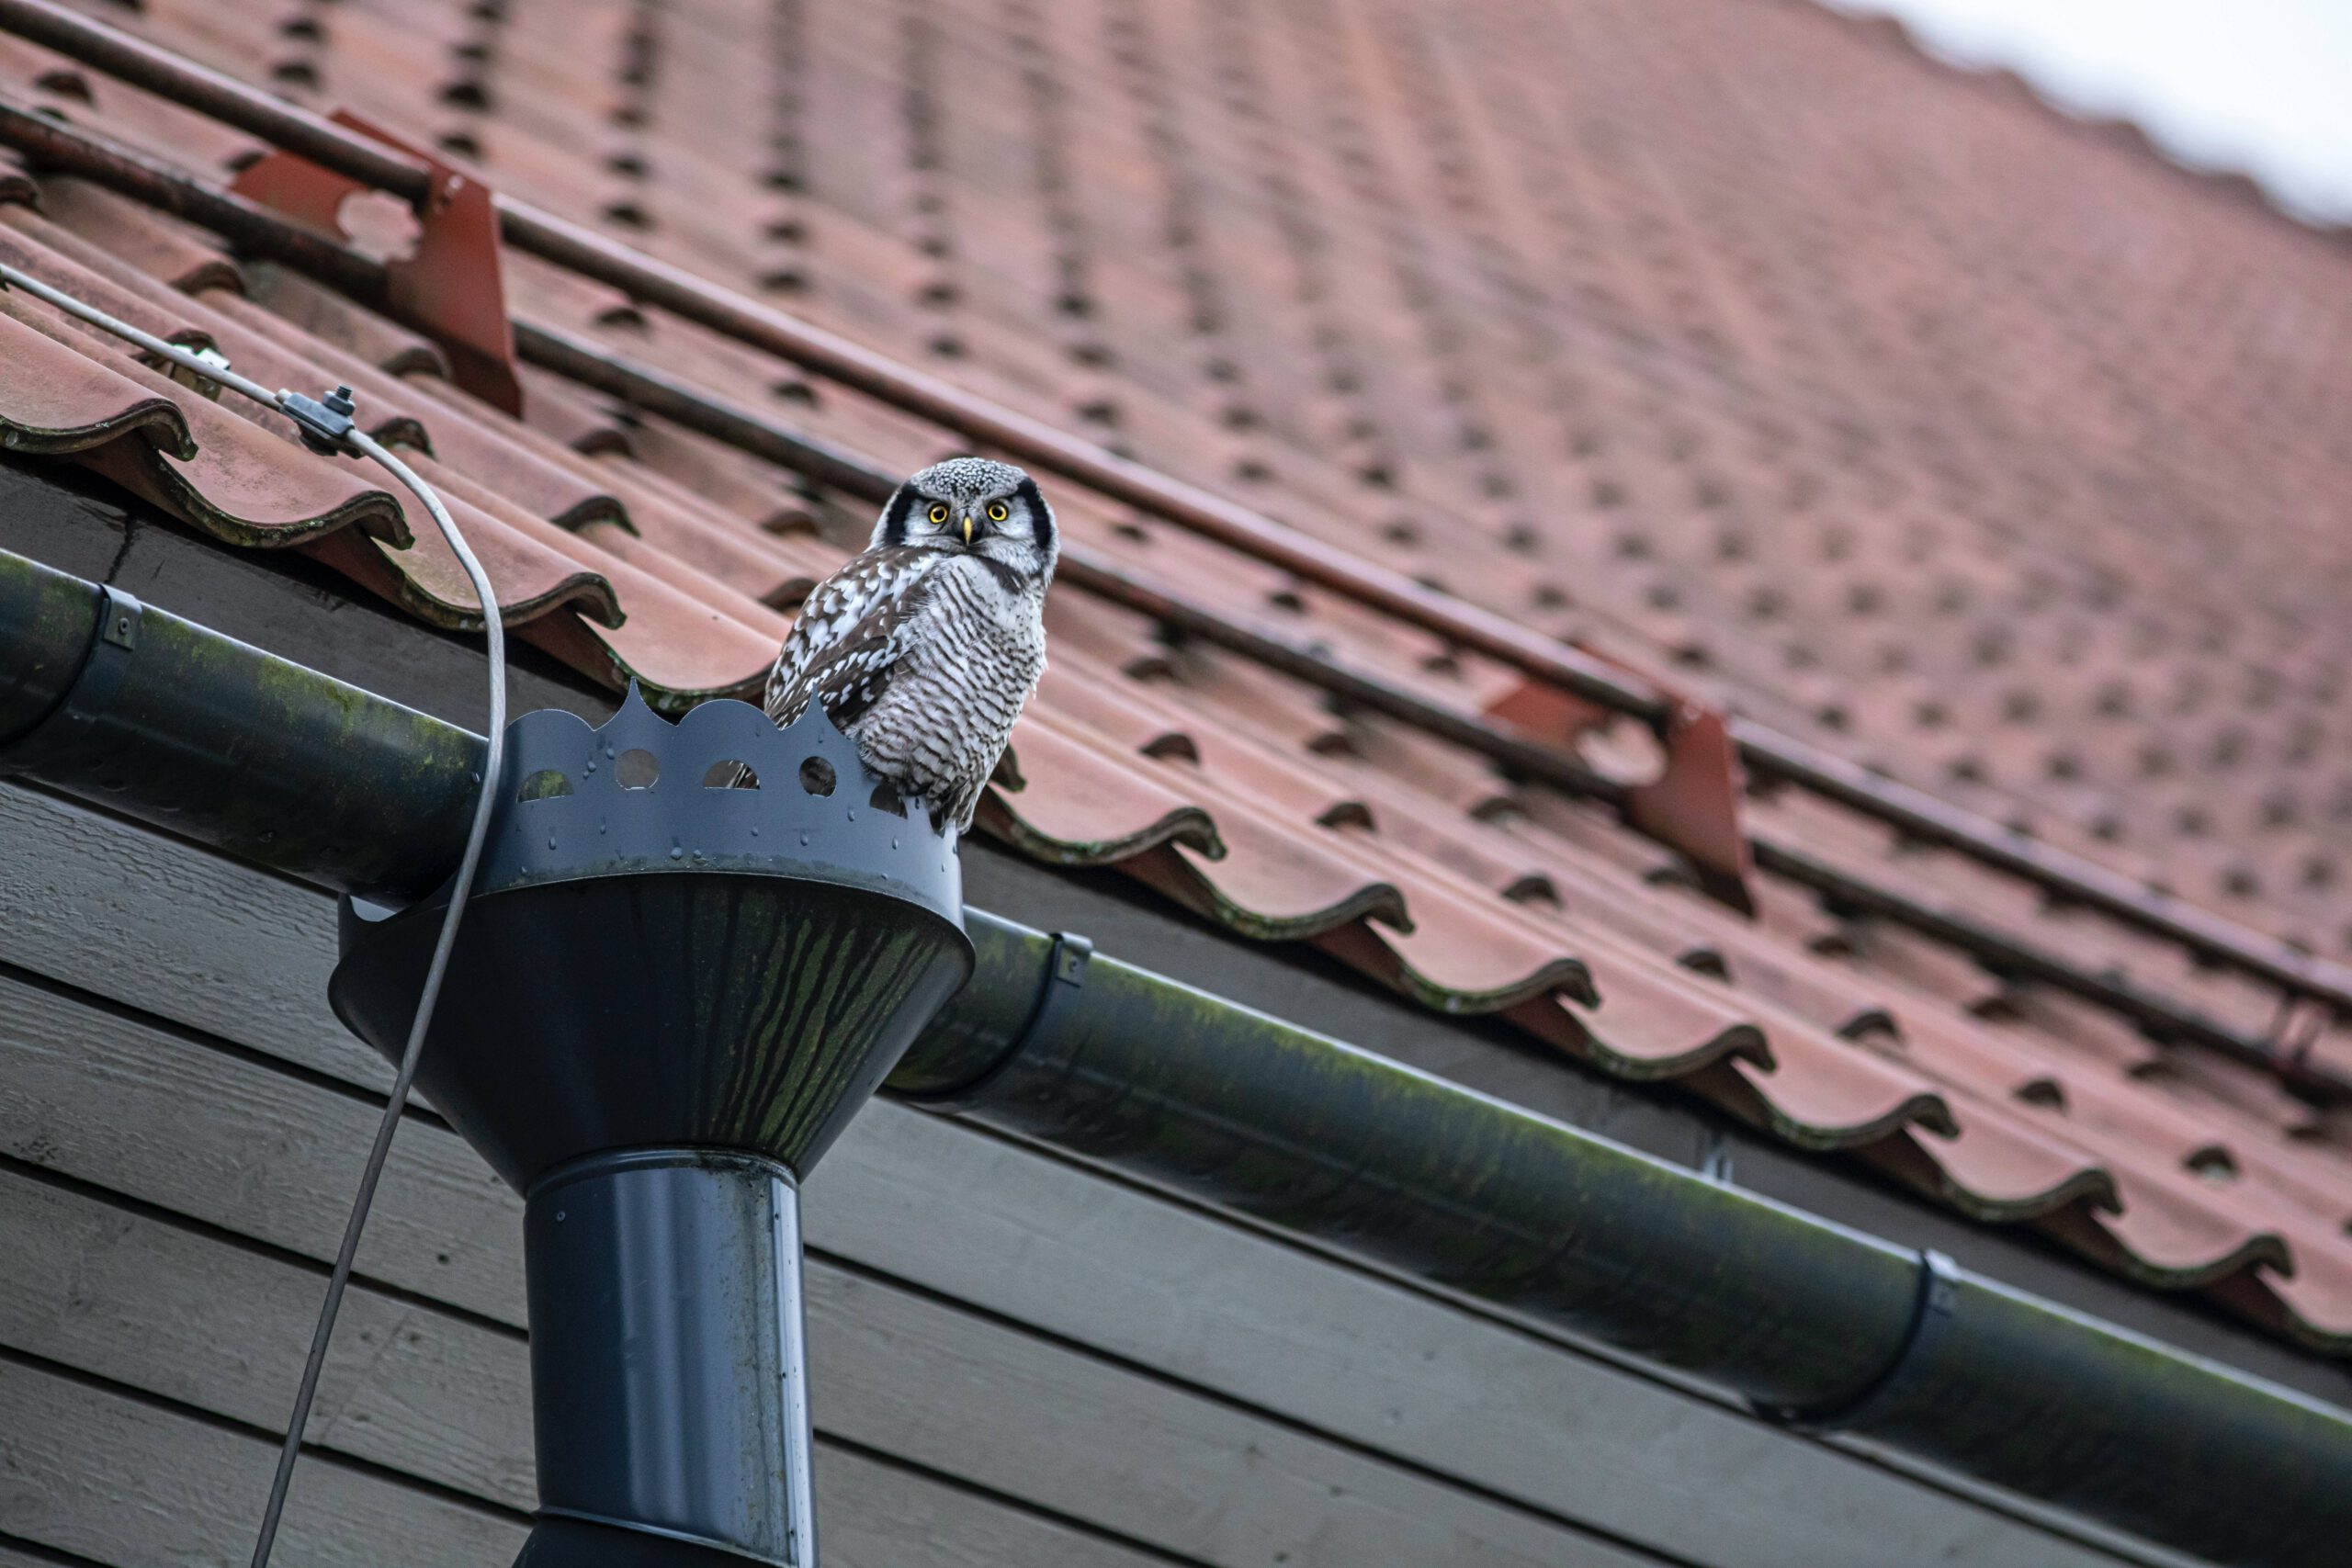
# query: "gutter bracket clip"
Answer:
x=1062 y=984
x=113 y=645
x=1932 y=1322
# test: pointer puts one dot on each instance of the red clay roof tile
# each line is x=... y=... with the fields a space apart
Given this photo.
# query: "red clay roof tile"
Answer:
x=57 y=401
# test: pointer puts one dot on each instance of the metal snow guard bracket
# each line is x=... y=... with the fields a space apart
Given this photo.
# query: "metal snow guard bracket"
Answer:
x=651 y=960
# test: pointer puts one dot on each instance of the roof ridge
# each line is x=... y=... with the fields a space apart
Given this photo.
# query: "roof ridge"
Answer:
x=2012 y=84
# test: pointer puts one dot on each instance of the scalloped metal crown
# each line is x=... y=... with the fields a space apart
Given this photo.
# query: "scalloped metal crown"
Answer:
x=564 y=812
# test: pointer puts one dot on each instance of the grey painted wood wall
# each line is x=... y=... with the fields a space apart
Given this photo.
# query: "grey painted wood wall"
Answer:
x=1016 y=1360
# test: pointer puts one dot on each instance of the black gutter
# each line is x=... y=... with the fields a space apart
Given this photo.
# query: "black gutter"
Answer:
x=1813 y=1323
x=136 y=710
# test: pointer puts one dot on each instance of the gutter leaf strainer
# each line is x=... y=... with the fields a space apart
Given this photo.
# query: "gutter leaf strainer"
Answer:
x=668 y=999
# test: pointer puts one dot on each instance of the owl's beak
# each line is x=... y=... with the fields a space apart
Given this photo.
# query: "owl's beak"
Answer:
x=967 y=527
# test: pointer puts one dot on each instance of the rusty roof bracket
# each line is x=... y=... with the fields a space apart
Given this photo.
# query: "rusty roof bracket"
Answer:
x=450 y=287
x=1692 y=806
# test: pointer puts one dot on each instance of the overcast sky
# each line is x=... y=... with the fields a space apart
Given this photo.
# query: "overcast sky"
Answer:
x=2260 y=85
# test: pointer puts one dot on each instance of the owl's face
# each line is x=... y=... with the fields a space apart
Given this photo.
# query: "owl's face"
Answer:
x=976 y=506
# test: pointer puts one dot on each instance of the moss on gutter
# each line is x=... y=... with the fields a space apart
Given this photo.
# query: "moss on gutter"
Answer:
x=49 y=619
x=222 y=743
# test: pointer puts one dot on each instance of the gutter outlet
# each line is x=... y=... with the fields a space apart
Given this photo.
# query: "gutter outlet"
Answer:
x=669 y=995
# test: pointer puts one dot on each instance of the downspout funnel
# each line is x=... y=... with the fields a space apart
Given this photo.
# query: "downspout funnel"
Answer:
x=667 y=998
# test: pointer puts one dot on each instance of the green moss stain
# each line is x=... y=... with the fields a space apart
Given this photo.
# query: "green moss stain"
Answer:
x=1312 y=1134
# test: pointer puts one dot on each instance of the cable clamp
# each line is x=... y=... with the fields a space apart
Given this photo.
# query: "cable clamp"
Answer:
x=325 y=424
x=91 y=698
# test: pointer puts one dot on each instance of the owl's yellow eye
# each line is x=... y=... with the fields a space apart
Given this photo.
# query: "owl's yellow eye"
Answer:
x=939 y=516
x=996 y=514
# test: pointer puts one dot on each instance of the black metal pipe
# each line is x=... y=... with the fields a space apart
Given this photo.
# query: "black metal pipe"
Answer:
x=50 y=620
x=668 y=1373
x=2094 y=1420
x=667 y=1000
x=1812 y=1322
x=1307 y=1133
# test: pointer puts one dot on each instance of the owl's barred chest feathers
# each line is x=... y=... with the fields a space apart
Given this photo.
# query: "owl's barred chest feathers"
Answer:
x=949 y=706
x=924 y=648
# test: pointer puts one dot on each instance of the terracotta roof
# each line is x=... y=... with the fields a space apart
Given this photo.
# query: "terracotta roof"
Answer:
x=1724 y=335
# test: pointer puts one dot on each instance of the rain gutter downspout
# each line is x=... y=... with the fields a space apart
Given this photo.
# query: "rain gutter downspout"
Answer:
x=1809 y=1321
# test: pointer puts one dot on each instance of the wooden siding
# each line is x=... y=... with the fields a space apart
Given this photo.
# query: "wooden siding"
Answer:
x=1016 y=1360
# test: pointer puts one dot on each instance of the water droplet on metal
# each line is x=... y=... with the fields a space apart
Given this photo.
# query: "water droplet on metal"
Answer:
x=551 y=840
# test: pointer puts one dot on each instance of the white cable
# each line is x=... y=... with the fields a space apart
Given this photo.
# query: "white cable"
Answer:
x=306 y=413
x=148 y=341
x=459 y=890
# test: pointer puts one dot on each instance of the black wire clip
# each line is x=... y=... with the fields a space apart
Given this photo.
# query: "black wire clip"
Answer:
x=325 y=424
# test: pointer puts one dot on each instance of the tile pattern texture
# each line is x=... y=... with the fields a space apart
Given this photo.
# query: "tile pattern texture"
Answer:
x=1732 y=337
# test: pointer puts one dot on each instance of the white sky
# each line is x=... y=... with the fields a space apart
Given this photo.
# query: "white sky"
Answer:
x=2259 y=86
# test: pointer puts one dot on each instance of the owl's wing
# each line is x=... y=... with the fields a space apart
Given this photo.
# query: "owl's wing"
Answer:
x=851 y=632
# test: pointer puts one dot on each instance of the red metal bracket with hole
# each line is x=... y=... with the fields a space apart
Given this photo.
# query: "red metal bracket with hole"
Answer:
x=451 y=288
x=1693 y=806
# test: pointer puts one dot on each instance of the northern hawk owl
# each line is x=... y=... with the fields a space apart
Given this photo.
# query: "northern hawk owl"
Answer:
x=924 y=649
